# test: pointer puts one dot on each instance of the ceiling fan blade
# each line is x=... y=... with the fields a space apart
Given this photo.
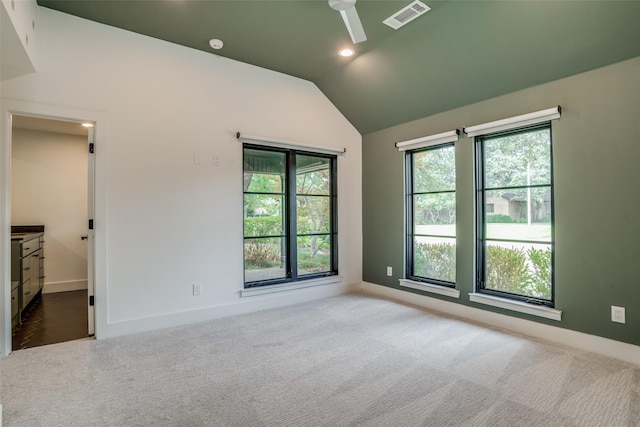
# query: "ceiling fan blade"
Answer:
x=354 y=26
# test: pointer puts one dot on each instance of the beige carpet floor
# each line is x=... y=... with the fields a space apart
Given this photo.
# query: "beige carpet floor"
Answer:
x=351 y=360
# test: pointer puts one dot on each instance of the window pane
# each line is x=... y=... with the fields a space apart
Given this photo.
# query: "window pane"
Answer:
x=435 y=214
x=312 y=175
x=264 y=259
x=519 y=268
x=314 y=254
x=435 y=258
x=264 y=171
x=263 y=183
x=512 y=210
x=263 y=215
x=518 y=160
x=434 y=170
x=313 y=214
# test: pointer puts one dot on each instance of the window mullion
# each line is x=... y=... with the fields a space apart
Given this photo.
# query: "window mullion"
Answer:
x=333 y=206
x=292 y=247
x=410 y=235
x=480 y=221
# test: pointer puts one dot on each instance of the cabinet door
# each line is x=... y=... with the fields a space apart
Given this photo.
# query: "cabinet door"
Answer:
x=41 y=263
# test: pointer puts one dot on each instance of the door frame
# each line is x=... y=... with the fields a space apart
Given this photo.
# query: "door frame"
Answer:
x=97 y=240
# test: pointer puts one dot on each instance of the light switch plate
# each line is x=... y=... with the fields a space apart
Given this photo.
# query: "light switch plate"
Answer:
x=197 y=289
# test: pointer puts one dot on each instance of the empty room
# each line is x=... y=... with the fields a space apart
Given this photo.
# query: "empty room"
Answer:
x=312 y=212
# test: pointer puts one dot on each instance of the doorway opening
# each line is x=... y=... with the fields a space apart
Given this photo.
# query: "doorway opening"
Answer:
x=51 y=243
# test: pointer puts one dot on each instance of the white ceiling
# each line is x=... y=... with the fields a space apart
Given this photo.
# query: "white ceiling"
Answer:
x=48 y=125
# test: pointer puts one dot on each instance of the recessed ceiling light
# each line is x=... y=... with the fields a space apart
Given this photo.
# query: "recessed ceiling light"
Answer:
x=87 y=125
x=216 y=43
x=345 y=52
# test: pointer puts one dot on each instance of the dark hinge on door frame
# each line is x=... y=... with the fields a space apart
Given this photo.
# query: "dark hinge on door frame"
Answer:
x=91 y=147
x=92 y=300
x=90 y=224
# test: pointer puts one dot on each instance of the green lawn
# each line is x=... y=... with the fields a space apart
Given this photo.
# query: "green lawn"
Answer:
x=511 y=231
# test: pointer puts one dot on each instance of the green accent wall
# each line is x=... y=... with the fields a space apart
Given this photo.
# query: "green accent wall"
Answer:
x=596 y=155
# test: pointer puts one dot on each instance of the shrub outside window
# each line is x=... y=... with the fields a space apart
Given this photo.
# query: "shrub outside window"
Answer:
x=431 y=215
x=290 y=230
x=515 y=214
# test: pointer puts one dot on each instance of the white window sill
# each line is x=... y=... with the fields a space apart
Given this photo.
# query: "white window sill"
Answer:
x=428 y=287
x=519 y=306
x=284 y=287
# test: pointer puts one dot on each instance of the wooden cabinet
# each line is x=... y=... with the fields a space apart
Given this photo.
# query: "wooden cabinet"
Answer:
x=27 y=271
x=31 y=283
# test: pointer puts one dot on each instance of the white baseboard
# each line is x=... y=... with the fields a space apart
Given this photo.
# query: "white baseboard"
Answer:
x=70 y=285
x=243 y=306
x=582 y=341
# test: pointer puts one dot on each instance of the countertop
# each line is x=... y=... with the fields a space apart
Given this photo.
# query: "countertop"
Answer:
x=26 y=232
x=25 y=236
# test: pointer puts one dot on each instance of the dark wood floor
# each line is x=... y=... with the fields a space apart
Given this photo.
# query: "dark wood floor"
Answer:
x=52 y=318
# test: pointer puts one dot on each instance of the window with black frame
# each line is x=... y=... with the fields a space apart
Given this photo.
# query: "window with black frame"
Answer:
x=515 y=214
x=290 y=230
x=431 y=215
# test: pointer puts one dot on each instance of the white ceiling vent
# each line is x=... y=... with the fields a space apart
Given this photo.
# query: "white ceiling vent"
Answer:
x=407 y=14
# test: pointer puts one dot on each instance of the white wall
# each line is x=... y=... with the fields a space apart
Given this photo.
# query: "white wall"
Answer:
x=49 y=187
x=162 y=222
x=17 y=37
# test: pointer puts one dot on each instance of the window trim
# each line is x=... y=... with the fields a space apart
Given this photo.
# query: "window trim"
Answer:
x=290 y=228
x=430 y=287
x=291 y=286
x=264 y=141
x=516 y=305
x=428 y=141
x=410 y=279
x=492 y=295
x=512 y=123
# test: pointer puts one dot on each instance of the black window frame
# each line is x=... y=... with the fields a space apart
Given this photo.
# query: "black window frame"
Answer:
x=410 y=216
x=481 y=231
x=290 y=234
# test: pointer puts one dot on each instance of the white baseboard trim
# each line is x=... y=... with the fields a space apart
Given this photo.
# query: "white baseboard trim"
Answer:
x=243 y=306
x=70 y=285
x=580 y=340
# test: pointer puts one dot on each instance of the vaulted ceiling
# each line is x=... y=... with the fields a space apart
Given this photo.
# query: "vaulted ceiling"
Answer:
x=458 y=53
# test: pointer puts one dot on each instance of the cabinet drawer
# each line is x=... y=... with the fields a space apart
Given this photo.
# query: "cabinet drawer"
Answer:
x=26 y=268
x=26 y=292
x=30 y=246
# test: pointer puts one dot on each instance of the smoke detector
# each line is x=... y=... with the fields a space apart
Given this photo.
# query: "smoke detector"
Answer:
x=216 y=43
